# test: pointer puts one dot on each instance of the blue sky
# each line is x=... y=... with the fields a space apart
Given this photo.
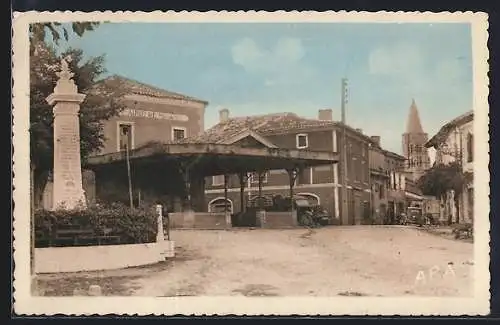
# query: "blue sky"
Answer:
x=264 y=68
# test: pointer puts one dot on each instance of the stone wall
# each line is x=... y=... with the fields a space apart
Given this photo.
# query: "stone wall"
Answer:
x=198 y=220
x=277 y=220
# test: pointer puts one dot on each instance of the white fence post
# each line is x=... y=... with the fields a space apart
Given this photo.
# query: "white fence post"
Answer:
x=159 y=215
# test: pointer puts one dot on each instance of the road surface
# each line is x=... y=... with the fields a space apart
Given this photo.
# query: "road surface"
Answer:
x=330 y=261
x=359 y=261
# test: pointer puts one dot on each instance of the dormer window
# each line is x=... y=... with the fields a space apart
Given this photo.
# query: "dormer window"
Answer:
x=302 y=141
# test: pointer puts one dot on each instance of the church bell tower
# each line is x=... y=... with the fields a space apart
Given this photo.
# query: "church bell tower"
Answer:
x=414 y=150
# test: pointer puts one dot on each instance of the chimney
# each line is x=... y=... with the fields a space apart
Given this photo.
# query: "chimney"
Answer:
x=359 y=130
x=223 y=115
x=376 y=139
x=325 y=115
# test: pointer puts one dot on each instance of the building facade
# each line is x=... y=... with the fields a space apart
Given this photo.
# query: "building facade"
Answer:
x=454 y=143
x=388 y=183
x=150 y=115
x=414 y=149
x=319 y=184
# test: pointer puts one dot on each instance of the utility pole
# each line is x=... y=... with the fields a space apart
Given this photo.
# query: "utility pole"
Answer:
x=344 y=216
x=458 y=158
x=129 y=175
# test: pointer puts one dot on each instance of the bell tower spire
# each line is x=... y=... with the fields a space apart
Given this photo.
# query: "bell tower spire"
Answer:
x=413 y=124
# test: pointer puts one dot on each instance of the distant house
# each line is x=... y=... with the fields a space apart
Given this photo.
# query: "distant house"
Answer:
x=454 y=143
x=388 y=183
x=321 y=185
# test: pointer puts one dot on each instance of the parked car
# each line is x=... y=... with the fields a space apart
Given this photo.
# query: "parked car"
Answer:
x=413 y=217
x=321 y=216
x=311 y=214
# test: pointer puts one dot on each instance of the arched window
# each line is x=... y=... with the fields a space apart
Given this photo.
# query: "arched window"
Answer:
x=218 y=205
x=470 y=147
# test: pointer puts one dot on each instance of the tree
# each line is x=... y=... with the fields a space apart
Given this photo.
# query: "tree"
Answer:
x=102 y=102
x=441 y=179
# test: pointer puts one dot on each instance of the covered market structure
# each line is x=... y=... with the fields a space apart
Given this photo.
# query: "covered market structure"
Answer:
x=176 y=172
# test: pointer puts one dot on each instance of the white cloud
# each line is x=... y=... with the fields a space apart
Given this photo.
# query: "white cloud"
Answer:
x=397 y=59
x=280 y=64
x=246 y=53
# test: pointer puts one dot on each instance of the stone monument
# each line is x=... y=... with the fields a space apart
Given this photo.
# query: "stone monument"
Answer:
x=68 y=189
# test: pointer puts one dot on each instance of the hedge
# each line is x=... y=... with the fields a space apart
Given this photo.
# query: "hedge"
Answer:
x=95 y=225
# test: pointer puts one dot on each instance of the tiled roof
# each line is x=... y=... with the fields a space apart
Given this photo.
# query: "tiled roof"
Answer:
x=139 y=88
x=393 y=154
x=265 y=125
x=445 y=129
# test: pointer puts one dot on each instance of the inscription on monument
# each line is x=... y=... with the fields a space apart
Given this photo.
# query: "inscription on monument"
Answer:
x=67 y=153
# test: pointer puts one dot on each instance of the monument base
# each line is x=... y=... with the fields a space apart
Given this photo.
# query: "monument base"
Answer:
x=71 y=201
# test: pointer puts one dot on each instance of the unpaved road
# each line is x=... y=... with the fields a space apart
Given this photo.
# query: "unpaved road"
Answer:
x=331 y=261
x=362 y=260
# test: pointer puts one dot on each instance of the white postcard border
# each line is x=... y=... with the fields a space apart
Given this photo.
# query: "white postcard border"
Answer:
x=29 y=305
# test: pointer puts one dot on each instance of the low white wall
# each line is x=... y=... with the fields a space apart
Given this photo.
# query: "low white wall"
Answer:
x=93 y=258
x=199 y=220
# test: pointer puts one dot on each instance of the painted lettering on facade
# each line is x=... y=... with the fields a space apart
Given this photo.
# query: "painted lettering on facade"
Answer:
x=154 y=115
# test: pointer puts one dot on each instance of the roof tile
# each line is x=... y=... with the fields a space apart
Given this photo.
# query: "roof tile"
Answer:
x=139 y=88
x=264 y=125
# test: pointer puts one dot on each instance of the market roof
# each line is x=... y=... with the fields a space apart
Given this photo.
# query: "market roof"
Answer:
x=265 y=125
x=442 y=134
x=139 y=88
x=217 y=159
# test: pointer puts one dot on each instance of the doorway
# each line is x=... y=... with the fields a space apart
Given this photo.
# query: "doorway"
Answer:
x=357 y=210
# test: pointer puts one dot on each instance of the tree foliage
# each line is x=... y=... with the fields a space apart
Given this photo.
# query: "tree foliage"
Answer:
x=442 y=178
x=101 y=103
x=38 y=31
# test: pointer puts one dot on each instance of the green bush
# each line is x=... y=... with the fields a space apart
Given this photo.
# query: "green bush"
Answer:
x=116 y=221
